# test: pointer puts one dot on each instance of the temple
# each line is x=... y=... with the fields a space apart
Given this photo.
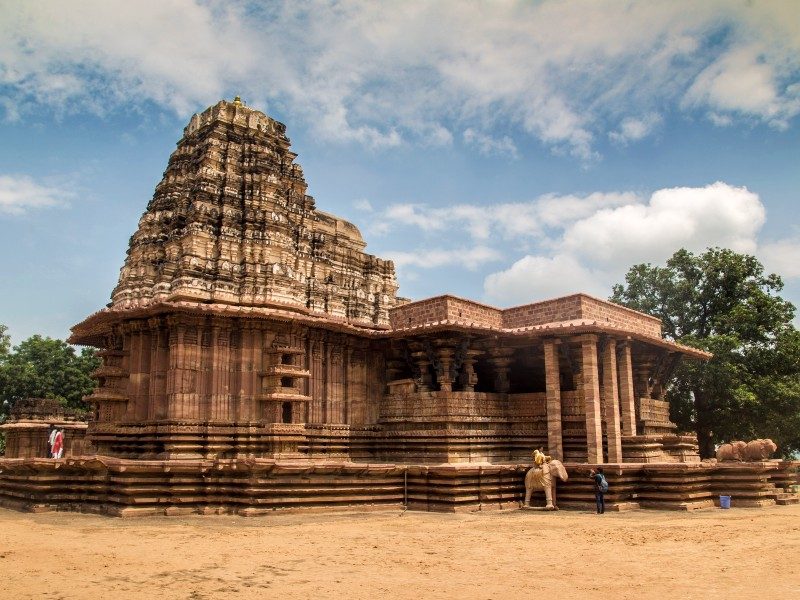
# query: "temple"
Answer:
x=255 y=357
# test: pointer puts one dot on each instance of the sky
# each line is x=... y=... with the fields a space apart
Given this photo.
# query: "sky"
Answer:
x=506 y=152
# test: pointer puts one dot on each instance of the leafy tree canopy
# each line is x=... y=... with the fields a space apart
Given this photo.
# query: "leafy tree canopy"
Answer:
x=723 y=302
x=5 y=341
x=42 y=367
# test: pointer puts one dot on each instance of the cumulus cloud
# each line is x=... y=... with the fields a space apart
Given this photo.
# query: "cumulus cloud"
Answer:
x=20 y=193
x=692 y=218
x=565 y=243
x=539 y=277
x=385 y=74
x=594 y=251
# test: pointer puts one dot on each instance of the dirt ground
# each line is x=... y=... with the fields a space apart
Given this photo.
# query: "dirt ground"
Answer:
x=715 y=554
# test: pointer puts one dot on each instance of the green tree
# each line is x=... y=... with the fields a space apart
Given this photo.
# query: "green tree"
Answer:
x=723 y=302
x=5 y=341
x=42 y=367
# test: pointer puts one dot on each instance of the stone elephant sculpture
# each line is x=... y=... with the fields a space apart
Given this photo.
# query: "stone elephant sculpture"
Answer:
x=731 y=452
x=544 y=478
x=759 y=449
x=754 y=450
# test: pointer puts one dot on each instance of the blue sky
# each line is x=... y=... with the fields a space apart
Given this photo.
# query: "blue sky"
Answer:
x=506 y=152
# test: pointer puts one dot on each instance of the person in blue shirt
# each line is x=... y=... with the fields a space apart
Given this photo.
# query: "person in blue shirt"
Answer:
x=600 y=489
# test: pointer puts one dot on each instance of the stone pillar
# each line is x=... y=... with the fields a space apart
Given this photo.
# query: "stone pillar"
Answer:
x=553 y=396
x=175 y=376
x=249 y=367
x=470 y=377
x=220 y=378
x=159 y=363
x=626 y=395
x=590 y=392
x=422 y=362
x=138 y=371
x=444 y=370
x=501 y=359
x=316 y=410
x=611 y=395
x=336 y=386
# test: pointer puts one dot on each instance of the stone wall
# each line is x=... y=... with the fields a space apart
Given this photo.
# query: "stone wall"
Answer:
x=619 y=317
x=440 y=308
x=193 y=371
x=559 y=310
x=28 y=438
x=581 y=307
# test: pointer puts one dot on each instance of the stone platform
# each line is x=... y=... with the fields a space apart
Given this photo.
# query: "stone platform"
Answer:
x=123 y=487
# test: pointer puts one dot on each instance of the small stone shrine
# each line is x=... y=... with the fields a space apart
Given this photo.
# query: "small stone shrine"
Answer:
x=256 y=358
x=30 y=422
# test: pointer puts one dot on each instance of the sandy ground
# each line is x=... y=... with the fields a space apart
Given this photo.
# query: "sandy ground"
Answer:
x=715 y=554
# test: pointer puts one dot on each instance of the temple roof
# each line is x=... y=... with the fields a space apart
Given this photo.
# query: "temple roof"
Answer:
x=92 y=329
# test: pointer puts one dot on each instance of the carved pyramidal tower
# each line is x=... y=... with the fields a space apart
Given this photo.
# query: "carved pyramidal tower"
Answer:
x=231 y=223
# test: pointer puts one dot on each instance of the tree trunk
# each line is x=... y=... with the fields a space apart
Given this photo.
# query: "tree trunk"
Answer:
x=705 y=434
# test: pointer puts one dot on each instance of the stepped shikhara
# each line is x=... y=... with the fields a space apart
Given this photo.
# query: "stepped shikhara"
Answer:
x=231 y=223
x=254 y=357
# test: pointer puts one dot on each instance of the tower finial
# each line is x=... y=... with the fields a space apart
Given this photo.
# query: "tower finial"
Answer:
x=237 y=100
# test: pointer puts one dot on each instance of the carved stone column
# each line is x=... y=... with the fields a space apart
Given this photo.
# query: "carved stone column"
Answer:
x=626 y=395
x=590 y=392
x=501 y=359
x=159 y=363
x=421 y=360
x=552 y=376
x=611 y=395
x=220 y=381
x=316 y=409
x=470 y=377
x=444 y=368
x=175 y=375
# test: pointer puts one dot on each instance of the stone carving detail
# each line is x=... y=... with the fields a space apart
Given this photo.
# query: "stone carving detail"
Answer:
x=231 y=222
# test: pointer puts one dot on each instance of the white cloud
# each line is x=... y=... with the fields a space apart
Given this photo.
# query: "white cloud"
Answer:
x=534 y=278
x=742 y=81
x=557 y=211
x=469 y=258
x=93 y=53
x=489 y=145
x=384 y=74
x=782 y=257
x=633 y=129
x=412 y=214
x=507 y=220
x=692 y=218
x=20 y=193
x=593 y=252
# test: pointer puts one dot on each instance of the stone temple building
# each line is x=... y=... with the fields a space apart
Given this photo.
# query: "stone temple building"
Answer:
x=256 y=357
